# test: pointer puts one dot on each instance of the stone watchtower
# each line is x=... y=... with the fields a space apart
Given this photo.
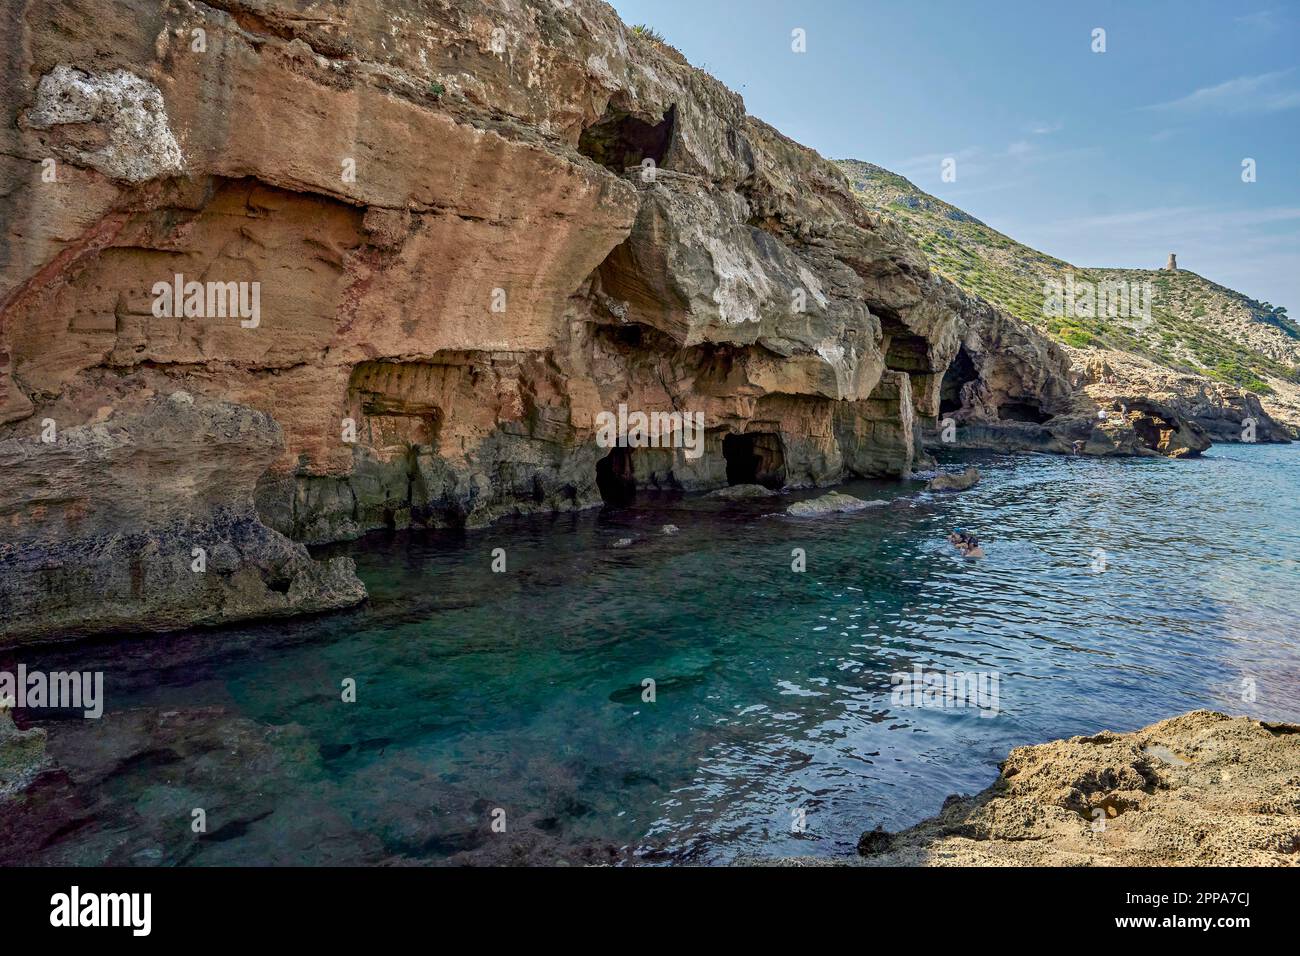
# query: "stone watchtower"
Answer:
x=1172 y=264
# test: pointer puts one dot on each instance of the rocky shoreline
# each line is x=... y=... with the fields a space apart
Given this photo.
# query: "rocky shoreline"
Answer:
x=1199 y=789
x=516 y=220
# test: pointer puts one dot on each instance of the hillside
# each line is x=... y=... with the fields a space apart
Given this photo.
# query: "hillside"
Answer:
x=1195 y=325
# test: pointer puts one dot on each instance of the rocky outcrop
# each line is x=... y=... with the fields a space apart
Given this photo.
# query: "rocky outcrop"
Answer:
x=957 y=481
x=144 y=518
x=833 y=502
x=1010 y=388
x=742 y=492
x=1202 y=789
x=1223 y=412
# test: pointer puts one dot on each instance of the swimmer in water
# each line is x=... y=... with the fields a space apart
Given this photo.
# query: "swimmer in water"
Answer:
x=966 y=543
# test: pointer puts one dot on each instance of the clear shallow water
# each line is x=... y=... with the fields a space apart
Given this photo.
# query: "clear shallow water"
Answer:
x=522 y=690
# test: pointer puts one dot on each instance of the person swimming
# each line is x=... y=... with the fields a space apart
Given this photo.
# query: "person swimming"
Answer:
x=966 y=543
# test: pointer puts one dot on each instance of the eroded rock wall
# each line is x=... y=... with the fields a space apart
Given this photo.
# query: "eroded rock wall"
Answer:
x=433 y=243
x=1010 y=388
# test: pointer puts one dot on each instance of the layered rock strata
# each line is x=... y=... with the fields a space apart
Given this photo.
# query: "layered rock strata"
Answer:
x=408 y=255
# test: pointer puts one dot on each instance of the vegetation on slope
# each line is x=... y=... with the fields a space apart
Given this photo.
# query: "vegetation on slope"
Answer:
x=1195 y=325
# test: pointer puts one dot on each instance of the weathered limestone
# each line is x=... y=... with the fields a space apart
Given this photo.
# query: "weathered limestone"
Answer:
x=144 y=519
x=1011 y=388
x=1224 y=412
x=1201 y=789
x=472 y=228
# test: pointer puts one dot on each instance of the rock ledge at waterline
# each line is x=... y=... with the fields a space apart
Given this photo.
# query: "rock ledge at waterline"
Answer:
x=1200 y=789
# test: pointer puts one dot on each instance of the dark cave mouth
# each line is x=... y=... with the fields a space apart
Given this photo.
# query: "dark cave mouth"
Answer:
x=1028 y=412
x=620 y=139
x=960 y=372
x=616 y=478
x=756 y=458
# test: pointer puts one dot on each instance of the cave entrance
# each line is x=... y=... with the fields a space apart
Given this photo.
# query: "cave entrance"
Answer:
x=960 y=371
x=615 y=479
x=1152 y=430
x=754 y=459
x=620 y=139
x=905 y=351
x=1022 y=412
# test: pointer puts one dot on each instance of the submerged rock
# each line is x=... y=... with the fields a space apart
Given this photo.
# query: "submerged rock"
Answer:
x=832 y=503
x=738 y=492
x=959 y=481
x=22 y=754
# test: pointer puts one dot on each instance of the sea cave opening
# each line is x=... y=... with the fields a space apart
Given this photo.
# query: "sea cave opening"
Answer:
x=1152 y=429
x=621 y=139
x=1030 y=412
x=754 y=459
x=960 y=371
x=615 y=478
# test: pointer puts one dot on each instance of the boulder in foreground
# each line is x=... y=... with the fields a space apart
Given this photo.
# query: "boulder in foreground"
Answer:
x=1201 y=789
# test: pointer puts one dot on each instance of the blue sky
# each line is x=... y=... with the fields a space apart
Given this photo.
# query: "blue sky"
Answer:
x=1103 y=159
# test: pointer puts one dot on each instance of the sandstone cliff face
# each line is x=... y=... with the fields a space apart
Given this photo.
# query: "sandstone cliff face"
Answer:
x=434 y=243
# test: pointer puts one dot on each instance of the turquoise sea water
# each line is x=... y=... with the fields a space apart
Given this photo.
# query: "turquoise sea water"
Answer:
x=521 y=692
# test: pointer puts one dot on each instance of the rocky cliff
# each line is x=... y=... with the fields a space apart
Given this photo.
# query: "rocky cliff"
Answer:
x=1200 y=351
x=280 y=273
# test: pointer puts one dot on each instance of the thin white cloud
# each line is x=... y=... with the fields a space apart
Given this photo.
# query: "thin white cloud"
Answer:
x=1177 y=220
x=1265 y=21
x=1262 y=93
x=974 y=162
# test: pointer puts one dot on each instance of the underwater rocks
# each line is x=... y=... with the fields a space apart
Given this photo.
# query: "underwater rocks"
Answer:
x=832 y=503
x=226 y=766
x=1201 y=789
x=957 y=481
x=22 y=754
